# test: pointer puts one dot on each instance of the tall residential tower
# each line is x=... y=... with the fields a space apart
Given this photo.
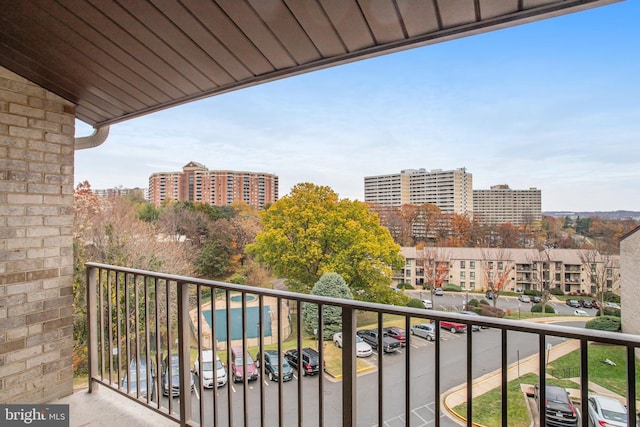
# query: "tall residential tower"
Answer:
x=450 y=190
x=196 y=183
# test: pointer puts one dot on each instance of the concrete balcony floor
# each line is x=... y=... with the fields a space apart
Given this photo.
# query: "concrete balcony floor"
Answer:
x=107 y=408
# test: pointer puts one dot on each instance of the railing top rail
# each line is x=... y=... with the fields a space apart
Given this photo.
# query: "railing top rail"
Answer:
x=508 y=324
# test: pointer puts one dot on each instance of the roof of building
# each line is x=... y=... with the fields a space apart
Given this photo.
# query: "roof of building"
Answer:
x=119 y=60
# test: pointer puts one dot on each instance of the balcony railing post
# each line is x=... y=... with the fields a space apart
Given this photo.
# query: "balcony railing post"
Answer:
x=348 y=367
x=92 y=325
x=184 y=355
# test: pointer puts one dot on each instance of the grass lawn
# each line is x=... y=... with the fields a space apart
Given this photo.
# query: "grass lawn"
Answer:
x=613 y=378
x=487 y=408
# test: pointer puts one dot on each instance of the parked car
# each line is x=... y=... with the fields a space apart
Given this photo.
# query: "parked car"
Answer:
x=362 y=348
x=595 y=304
x=427 y=303
x=174 y=366
x=586 y=303
x=559 y=410
x=396 y=333
x=370 y=336
x=573 y=303
x=207 y=370
x=536 y=299
x=606 y=411
x=453 y=327
x=438 y=291
x=310 y=363
x=612 y=305
x=524 y=298
x=130 y=382
x=238 y=366
x=473 y=313
x=580 y=313
x=424 y=330
x=271 y=367
x=490 y=295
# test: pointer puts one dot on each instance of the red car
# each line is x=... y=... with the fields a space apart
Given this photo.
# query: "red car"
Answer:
x=397 y=333
x=453 y=327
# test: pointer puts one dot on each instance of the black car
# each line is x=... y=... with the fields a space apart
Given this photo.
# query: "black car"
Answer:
x=586 y=303
x=573 y=303
x=271 y=368
x=536 y=299
x=310 y=364
x=490 y=295
x=370 y=336
x=559 y=410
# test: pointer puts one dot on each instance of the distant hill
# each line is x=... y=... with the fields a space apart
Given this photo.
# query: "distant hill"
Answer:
x=607 y=215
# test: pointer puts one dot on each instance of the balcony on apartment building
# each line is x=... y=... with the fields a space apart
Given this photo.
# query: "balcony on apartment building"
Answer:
x=138 y=320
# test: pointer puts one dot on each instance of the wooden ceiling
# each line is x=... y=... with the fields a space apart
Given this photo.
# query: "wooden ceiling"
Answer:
x=118 y=59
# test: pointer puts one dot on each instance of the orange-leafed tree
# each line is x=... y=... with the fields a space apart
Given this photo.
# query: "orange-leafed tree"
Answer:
x=436 y=267
x=497 y=269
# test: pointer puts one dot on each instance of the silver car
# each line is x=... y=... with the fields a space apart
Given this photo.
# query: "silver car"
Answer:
x=606 y=411
x=424 y=330
x=362 y=348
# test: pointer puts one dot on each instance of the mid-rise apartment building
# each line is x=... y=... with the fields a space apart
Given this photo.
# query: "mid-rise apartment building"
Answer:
x=501 y=204
x=196 y=183
x=450 y=190
x=472 y=268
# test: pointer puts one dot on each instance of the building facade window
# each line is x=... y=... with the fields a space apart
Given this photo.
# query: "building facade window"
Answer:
x=463 y=275
x=462 y=264
x=472 y=275
x=472 y=264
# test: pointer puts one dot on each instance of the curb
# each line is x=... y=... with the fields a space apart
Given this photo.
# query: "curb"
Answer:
x=455 y=416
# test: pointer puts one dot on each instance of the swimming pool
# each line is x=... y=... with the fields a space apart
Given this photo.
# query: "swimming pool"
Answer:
x=252 y=316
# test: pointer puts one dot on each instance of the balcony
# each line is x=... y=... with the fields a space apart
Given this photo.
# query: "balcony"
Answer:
x=146 y=316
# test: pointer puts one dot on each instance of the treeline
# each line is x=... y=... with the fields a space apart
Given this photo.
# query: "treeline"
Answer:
x=178 y=237
x=426 y=224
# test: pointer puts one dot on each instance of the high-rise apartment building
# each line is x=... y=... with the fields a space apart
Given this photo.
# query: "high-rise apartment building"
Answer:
x=387 y=190
x=450 y=190
x=501 y=204
x=196 y=183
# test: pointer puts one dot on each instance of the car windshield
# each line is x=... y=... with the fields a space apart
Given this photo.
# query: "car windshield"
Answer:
x=219 y=364
x=207 y=366
x=358 y=339
x=238 y=360
x=614 y=416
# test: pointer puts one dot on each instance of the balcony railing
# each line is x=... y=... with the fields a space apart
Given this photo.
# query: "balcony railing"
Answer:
x=150 y=318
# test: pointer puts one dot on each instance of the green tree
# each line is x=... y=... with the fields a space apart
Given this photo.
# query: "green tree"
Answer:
x=311 y=232
x=329 y=285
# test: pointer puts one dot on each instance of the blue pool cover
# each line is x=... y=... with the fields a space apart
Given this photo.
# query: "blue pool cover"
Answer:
x=252 y=315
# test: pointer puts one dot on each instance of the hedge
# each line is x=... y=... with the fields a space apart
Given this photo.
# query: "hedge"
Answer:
x=404 y=286
x=605 y=323
x=537 y=308
x=415 y=303
x=452 y=288
x=557 y=291
x=610 y=311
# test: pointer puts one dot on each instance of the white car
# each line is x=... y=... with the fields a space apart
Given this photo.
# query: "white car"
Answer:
x=607 y=411
x=207 y=370
x=362 y=348
x=580 y=313
x=427 y=303
x=424 y=330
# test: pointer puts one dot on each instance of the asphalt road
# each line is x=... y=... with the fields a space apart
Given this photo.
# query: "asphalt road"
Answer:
x=486 y=354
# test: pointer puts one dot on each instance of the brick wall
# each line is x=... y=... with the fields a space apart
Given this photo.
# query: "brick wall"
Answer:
x=36 y=256
x=630 y=282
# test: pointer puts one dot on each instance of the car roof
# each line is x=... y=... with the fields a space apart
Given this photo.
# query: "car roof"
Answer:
x=610 y=404
x=556 y=393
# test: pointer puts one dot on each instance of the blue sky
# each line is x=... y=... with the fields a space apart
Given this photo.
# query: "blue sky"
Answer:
x=553 y=104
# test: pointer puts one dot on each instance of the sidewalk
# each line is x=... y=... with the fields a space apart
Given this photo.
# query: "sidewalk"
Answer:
x=488 y=382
